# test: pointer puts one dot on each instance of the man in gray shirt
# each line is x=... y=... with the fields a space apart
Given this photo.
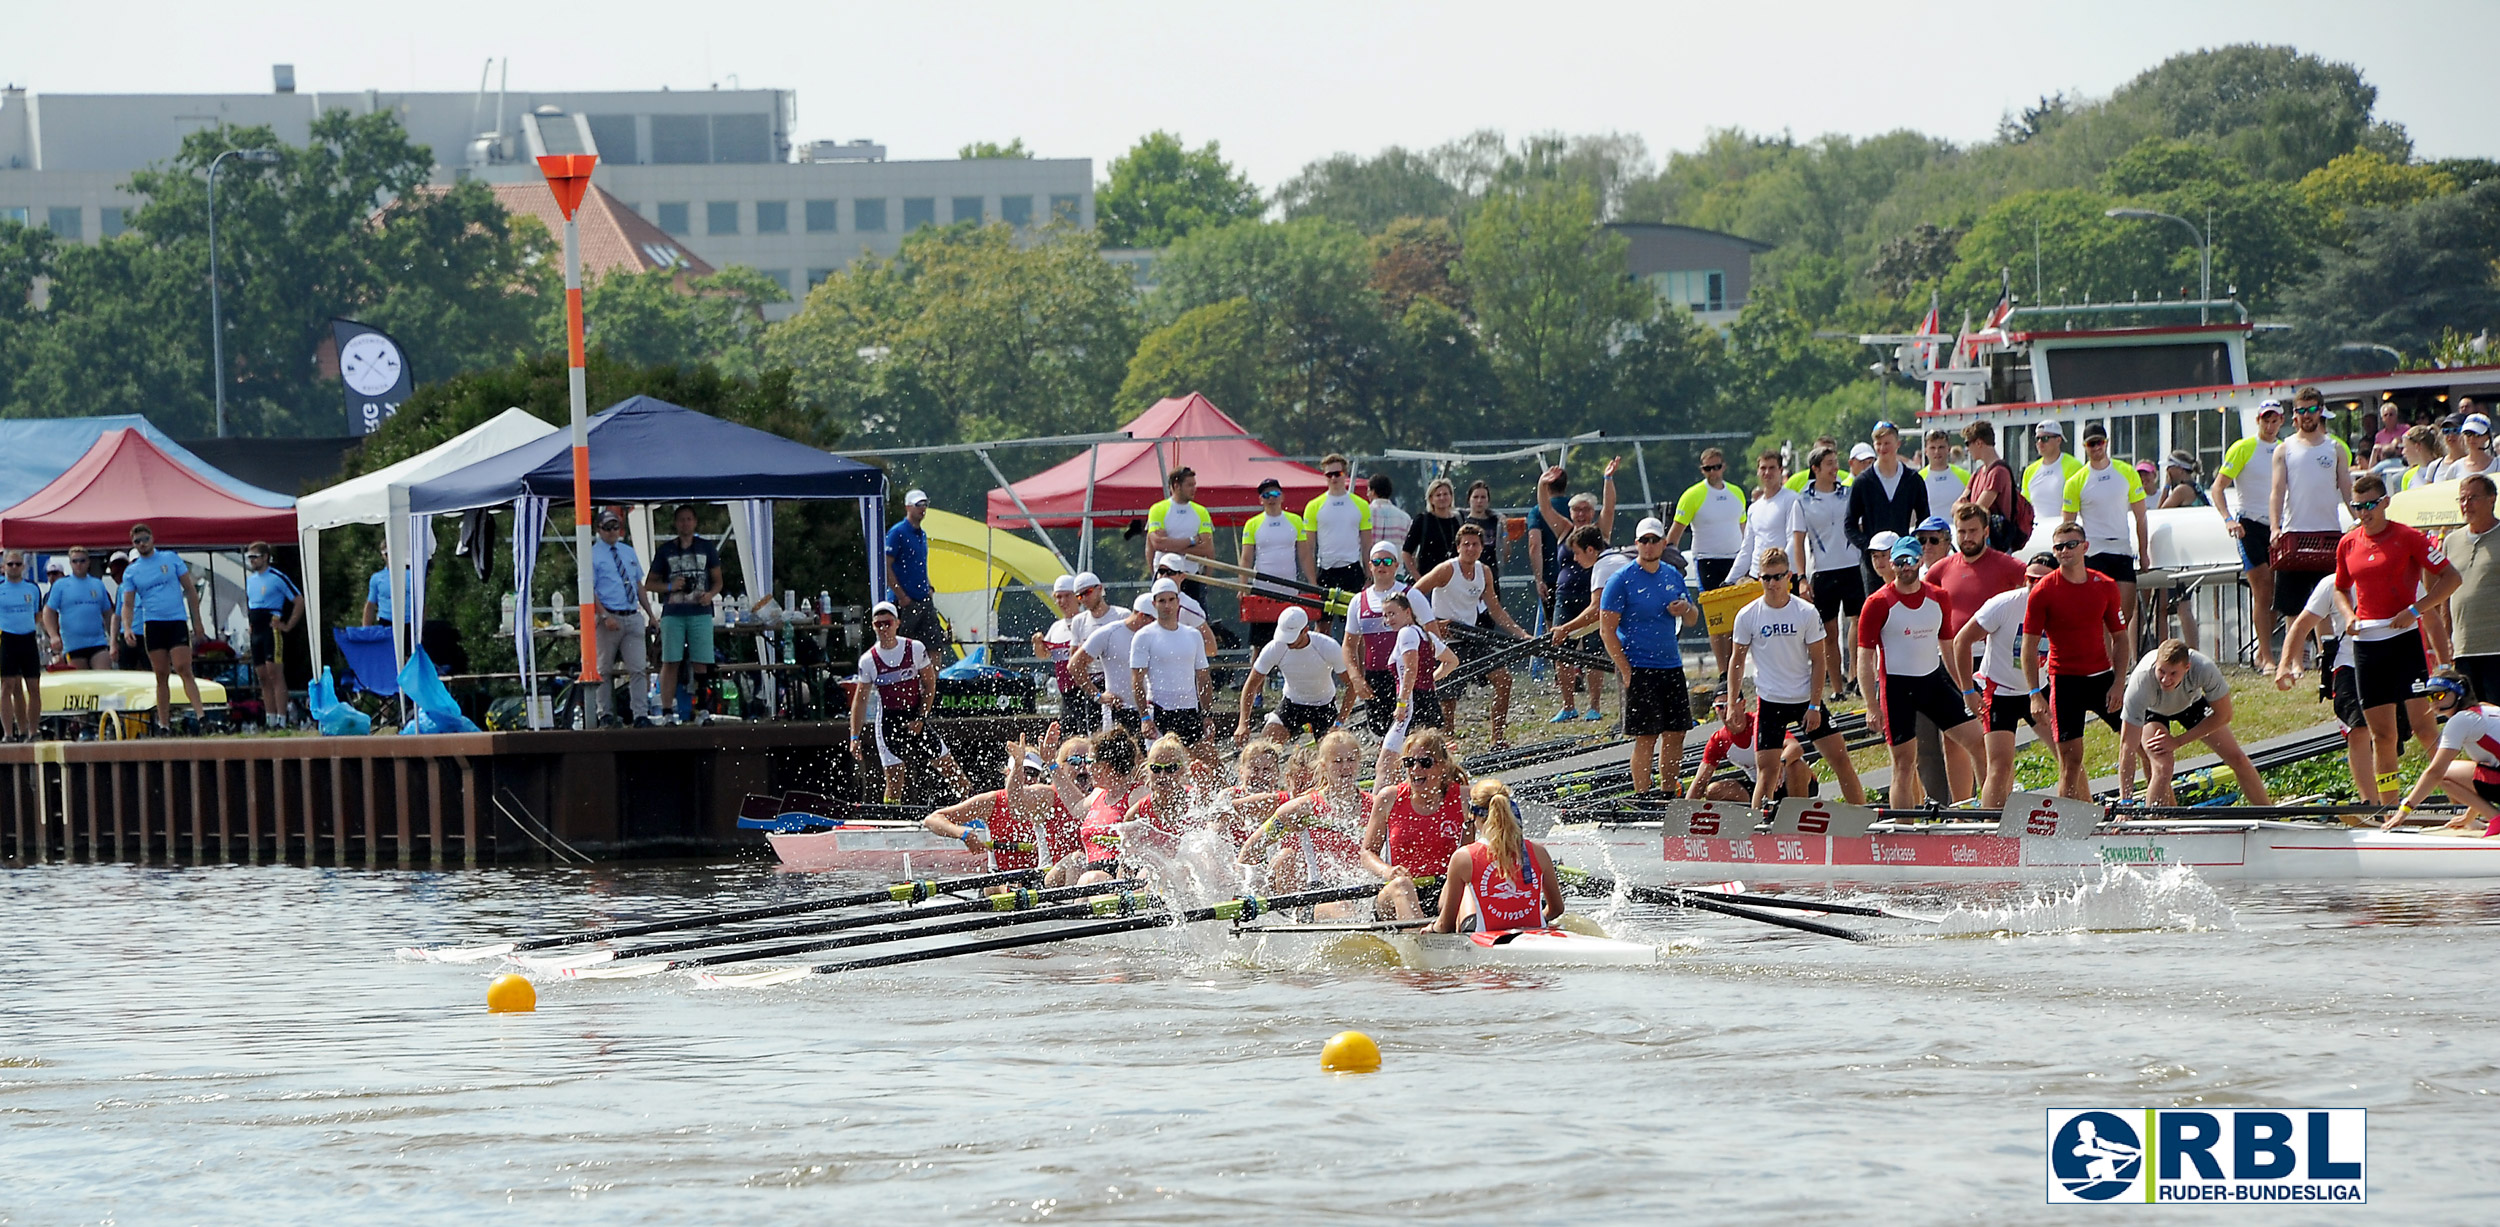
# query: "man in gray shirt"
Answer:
x=2184 y=695
x=2474 y=609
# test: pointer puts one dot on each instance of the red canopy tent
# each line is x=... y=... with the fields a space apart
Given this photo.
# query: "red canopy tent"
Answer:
x=1128 y=478
x=123 y=480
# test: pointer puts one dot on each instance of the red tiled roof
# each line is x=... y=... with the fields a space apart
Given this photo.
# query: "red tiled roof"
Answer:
x=614 y=237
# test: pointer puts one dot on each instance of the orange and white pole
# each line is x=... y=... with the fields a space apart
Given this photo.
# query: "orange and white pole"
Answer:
x=568 y=176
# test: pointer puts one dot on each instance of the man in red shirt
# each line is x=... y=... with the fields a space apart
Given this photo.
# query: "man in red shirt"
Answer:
x=2385 y=573
x=2090 y=653
x=1901 y=654
x=1969 y=573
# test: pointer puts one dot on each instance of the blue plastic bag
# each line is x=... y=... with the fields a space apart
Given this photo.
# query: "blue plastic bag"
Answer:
x=423 y=688
x=335 y=718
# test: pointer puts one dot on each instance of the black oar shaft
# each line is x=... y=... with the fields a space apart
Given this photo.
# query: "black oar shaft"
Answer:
x=1018 y=900
x=1673 y=897
x=1121 y=905
x=1101 y=928
x=901 y=892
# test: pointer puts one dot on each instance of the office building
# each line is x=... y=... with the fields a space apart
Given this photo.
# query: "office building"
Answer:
x=1704 y=271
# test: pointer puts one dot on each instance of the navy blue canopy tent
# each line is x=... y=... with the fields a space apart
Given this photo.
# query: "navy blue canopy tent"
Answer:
x=642 y=451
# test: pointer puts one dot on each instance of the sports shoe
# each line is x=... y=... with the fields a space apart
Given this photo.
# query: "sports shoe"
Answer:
x=1565 y=716
x=1594 y=716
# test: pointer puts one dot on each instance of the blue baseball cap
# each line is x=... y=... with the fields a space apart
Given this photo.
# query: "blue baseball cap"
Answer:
x=1909 y=548
x=1881 y=427
x=1933 y=524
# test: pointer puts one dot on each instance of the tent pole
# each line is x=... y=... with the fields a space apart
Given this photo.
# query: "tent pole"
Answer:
x=1085 y=543
x=1030 y=520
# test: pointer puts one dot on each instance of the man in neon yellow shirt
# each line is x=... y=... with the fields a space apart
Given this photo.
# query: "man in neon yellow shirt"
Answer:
x=2103 y=497
x=2044 y=479
x=1340 y=524
x=1178 y=525
x=1946 y=481
x=1715 y=511
x=2249 y=467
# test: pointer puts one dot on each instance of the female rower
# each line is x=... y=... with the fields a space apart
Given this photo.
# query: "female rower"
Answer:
x=1420 y=658
x=1316 y=837
x=1254 y=799
x=1415 y=826
x=1117 y=782
x=1158 y=818
x=2465 y=765
x=1026 y=823
x=1510 y=880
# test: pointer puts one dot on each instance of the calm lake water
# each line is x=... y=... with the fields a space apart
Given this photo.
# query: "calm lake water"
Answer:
x=240 y=1045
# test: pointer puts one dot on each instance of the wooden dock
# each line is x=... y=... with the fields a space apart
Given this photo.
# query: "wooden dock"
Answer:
x=464 y=799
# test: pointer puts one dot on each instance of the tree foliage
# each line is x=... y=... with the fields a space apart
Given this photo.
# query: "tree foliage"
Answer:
x=992 y=149
x=1550 y=297
x=1160 y=190
x=2405 y=277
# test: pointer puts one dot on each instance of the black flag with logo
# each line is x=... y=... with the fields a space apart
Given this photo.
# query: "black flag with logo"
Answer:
x=373 y=371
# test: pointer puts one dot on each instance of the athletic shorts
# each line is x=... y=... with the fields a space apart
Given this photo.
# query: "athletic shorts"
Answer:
x=2344 y=691
x=1771 y=724
x=167 y=635
x=19 y=655
x=1929 y=694
x=1839 y=592
x=2292 y=589
x=1318 y=718
x=2120 y=567
x=2388 y=668
x=2256 y=543
x=2489 y=791
x=2074 y=701
x=79 y=656
x=1375 y=713
x=1187 y=723
x=2003 y=710
x=1714 y=572
x=2183 y=721
x=1469 y=649
x=687 y=638
x=264 y=636
x=1655 y=701
x=897 y=745
x=1347 y=578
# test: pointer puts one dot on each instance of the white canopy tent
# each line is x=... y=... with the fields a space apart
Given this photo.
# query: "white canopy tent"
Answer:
x=368 y=499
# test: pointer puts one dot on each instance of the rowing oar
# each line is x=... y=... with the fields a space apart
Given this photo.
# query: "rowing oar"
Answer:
x=1016 y=901
x=1334 y=599
x=1122 y=903
x=900 y=892
x=1709 y=903
x=1245 y=908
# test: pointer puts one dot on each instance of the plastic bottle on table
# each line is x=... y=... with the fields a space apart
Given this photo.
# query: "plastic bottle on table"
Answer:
x=824 y=607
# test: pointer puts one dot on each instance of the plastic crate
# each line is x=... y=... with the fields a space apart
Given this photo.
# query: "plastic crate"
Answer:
x=1719 y=605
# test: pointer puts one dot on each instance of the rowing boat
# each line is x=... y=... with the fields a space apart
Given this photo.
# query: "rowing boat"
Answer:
x=901 y=848
x=1300 y=945
x=2239 y=849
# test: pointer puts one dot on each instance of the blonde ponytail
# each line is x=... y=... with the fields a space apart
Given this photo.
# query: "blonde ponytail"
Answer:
x=1497 y=824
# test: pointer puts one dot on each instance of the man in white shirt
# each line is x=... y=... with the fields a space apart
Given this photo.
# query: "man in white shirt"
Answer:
x=1777 y=633
x=2248 y=466
x=1312 y=665
x=1769 y=517
x=2312 y=482
x=1168 y=664
x=1100 y=663
x=1274 y=542
x=2003 y=701
x=1340 y=524
x=2107 y=498
x=1390 y=522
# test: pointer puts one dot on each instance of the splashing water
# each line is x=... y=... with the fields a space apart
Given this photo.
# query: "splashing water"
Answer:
x=2121 y=900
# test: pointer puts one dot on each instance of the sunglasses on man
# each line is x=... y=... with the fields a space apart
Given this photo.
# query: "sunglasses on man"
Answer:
x=2063 y=546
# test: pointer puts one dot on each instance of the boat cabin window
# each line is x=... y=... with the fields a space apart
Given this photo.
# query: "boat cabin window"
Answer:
x=2116 y=370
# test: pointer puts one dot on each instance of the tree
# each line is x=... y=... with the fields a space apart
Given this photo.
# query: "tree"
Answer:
x=1160 y=190
x=26 y=256
x=1922 y=257
x=1370 y=193
x=2364 y=179
x=2274 y=110
x=1551 y=299
x=1217 y=350
x=2405 y=277
x=661 y=316
x=992 y=149
x=1412 y=258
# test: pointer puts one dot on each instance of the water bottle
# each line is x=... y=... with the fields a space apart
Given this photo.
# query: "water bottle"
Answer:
x=824 y=607
x=555 y=616
x=511 y=606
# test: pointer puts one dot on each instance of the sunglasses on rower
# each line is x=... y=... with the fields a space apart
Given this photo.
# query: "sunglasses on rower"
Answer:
x=1418 y=761
x=1163 y=768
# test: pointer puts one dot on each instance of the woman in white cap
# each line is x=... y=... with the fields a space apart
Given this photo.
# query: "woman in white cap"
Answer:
x=1371 y=640
x=1312 y=665
x=904 y=676
x=1059 y=642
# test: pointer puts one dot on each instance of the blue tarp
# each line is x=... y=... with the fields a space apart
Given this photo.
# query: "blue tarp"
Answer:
x=644 y=450
x=437 y=711
x=33 y=451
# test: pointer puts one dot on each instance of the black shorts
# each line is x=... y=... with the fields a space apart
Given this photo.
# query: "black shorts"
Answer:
x=1929 y=694
x=2344 y=692
x=1347 y=578
x=1427 y=713
x=1187 y=723
x=19 y=655
x=168 y=635
x=2002 y=710
x=1469 y=649
x=2388 y=668
x=1771 y=723
x=2292 y=589
x=264 y=636
x=1376 y=714
x=2075 y=700
x=79 y=656
x=2488 y=790
x=1839 y=592
x=1714 y=572
x=2120 y=567
x=2256 y=543
x=2482 y=673
x=2183 y=721
x=1655 y=701
x=1318 y=718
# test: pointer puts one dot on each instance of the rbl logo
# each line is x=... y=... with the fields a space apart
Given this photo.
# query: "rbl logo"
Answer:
x=2208 y=1155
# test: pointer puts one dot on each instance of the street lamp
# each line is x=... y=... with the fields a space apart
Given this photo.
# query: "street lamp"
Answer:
x=2395 y=357
x=216 y=330
x=2204 y=252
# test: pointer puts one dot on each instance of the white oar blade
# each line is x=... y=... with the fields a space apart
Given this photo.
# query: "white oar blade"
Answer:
x=749 y=979
x=453 y=954
x=618 y=971
x=558 y=964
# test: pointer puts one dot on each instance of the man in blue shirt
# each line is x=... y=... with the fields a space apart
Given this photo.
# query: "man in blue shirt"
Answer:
x=161 y=610
x=907 y=576
x=378 y=593
x=624 y=621
x=79 y=613
x=685 y=570
x=21 y=655
x=1638 y=617
x=269 y=596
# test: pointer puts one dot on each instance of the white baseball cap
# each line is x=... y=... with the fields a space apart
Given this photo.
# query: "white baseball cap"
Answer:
x=1651 y=527
x=915 y=498
x=2048 y=428
x=1169 y=562
x=1863 y=451
x=885 y=607
x=1384 y=549
x=1163 y=586
x=1882 y=543
x=1292 y=622
x=1144 y=604
x=1087 y=579
x=1065 y=583
x=2476 y=424
x=58 y=564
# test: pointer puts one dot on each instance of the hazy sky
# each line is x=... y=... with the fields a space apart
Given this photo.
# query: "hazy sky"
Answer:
x=1283 y=82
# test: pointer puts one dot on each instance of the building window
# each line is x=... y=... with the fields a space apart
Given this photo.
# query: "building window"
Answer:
x=115 y=221
x=818 y=276
x=720 y=217
x=1016 y=210
x=1069 y=209
x=614 y=135
x=1699 y=289
x=919 y=211
x=66 y=222
x=742 y=138
x=779 y=276
x=13 y=213
x=772 y=217
x=968 y=209
x=820 y=215
x=679 y=140
x=868 y=216
x=673 y=217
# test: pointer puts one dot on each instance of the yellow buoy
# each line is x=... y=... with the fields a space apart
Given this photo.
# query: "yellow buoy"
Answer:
x=1349 y=1052
x=515 y=995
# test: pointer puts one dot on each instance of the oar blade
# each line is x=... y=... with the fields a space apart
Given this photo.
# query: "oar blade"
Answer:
x=453 y=954
x=560 y=964
x=615 y=971
x=750 y=979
